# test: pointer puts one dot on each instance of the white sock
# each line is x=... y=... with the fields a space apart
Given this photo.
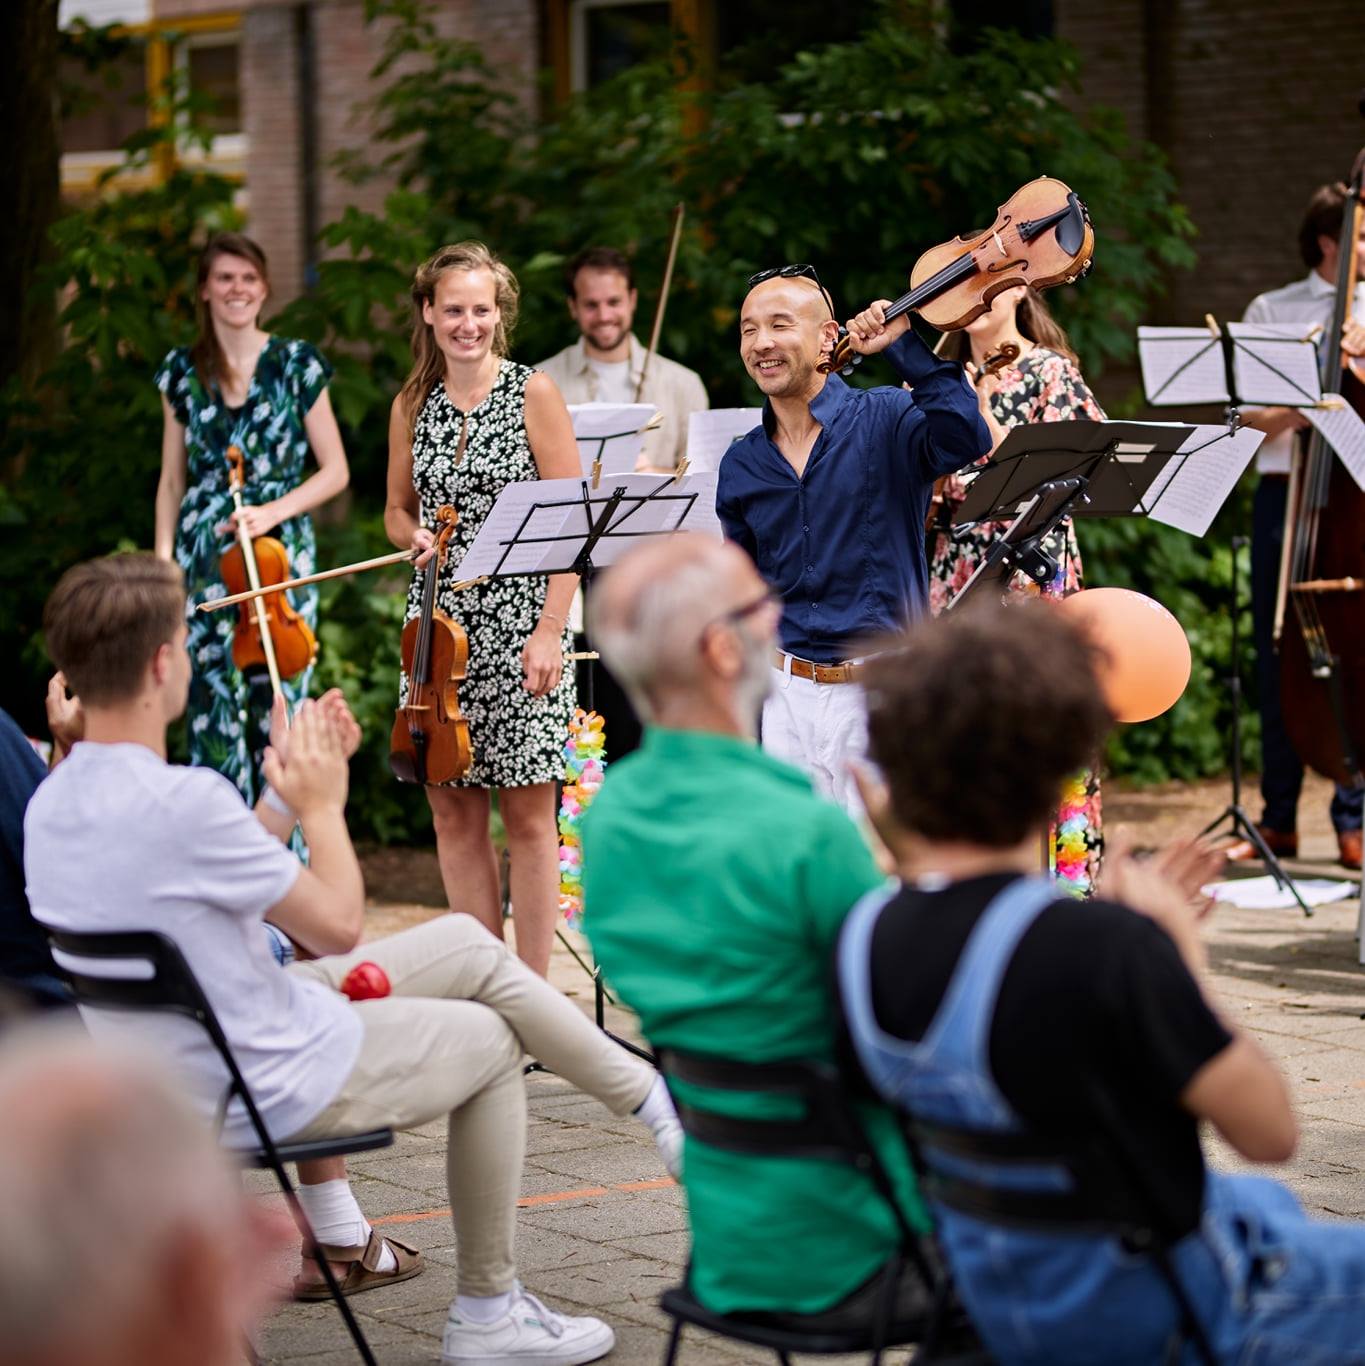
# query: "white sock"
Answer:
x=657 y=1105
x=482 y=1308
x=336 y=1218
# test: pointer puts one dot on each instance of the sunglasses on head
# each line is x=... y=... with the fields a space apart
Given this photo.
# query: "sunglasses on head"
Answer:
x=803 y=272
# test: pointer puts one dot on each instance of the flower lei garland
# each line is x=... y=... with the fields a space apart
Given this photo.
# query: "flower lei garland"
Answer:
x=585 y=762
x=1072 y=835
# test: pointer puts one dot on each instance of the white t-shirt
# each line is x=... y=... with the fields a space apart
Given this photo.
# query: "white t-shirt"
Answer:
x=1307 y=301
x=614 y=384
x=115 y=838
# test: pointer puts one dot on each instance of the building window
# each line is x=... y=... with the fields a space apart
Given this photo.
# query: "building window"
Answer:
x=210 y=62
x=608 y=36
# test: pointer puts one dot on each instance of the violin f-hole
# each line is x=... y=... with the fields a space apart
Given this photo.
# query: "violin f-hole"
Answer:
x=996 y=267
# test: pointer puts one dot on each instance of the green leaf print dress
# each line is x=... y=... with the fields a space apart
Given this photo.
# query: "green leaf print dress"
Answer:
x=229 y=716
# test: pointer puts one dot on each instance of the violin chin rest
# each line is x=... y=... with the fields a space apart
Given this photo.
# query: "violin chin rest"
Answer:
x=1071 y=230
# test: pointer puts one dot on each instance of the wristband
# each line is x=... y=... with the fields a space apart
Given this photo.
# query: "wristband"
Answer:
x=277 y=803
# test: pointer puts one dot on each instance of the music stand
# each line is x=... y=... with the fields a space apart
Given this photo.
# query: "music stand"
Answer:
x=1272 y=365
x=1045 y=472
x=565 y=526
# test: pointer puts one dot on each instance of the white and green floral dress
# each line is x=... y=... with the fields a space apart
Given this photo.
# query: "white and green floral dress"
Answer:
x=229 y=716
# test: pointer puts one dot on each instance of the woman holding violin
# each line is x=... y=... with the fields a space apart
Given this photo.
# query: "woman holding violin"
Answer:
x=466 y=423
x=1023 y=363
x=240 y=399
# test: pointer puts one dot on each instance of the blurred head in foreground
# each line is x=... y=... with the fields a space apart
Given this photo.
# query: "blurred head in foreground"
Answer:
x=127 y=1237
x=976 y=722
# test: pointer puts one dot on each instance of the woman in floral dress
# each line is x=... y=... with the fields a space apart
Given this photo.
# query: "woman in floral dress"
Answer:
x=467 y=423
x=1043 y=385
x=237 y=385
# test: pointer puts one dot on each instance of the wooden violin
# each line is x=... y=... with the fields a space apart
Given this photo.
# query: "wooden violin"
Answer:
x=1042 y=236
x=270 y=634
x=430 y=739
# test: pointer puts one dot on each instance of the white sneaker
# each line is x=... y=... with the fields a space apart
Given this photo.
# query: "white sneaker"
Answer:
x=529 y=1334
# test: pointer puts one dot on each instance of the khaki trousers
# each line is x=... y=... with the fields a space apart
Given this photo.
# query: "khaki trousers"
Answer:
x=450 y=1040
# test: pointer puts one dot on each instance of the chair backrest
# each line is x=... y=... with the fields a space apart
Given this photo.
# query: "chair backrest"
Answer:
x=124 y=983
x=815 y=1116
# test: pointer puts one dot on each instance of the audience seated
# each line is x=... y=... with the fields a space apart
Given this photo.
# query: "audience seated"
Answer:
x=715 y=883
x=117 y=839
x=128 y=1239
x=977 y=997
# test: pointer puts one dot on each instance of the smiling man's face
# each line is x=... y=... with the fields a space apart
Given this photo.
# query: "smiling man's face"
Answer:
x=784 y=330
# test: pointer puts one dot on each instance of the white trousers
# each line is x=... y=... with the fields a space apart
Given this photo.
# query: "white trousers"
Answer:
x=818 y=727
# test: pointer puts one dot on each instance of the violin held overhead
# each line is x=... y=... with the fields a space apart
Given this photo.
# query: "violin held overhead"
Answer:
x=1041 y=237
x=430 y=739
x=270 y=634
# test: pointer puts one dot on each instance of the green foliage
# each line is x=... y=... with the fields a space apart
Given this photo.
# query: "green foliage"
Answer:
x=856 y=156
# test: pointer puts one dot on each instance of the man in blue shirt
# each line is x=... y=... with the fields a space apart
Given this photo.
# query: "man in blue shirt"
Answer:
x=828 y=496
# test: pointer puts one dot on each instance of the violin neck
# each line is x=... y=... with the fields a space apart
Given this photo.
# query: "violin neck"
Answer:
x=421 y=655
x=258 y=607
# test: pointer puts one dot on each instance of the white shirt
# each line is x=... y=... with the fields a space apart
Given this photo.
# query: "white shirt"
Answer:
x=612 y=381
x=115 y=838
x=1307 y=301
x=673 y=389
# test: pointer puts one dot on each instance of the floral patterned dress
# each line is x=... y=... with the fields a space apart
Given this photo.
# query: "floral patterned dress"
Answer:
x=1042 y=386
x=517 y=739
x=229 y=715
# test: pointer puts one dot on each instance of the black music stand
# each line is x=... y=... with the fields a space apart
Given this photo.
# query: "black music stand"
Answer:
x=1046 y=472
x=566 y=526
x=1181 y=366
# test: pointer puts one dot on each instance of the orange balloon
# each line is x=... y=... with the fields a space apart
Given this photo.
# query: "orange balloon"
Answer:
x=1147 y=657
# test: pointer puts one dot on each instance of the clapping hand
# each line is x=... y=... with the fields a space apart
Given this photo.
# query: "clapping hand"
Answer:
x=313 y=777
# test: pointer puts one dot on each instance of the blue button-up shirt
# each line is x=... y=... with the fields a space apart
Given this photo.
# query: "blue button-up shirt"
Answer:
x=844 y=543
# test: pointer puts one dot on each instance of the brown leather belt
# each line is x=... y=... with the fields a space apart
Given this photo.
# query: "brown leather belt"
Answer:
x=847 y=672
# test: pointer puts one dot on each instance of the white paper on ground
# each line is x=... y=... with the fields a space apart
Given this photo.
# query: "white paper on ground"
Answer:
x=615 y=430
x=1189 y=491
x=1261 y=893
x=1344 y=432
x=711 y=431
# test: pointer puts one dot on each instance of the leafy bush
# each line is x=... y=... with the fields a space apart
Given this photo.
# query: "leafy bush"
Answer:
x=855 y=156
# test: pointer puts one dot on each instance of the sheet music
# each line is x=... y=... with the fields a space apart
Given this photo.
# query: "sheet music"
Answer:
x=621 y=423
x=1181 y=365
x=520 y=513
x=711 y=431
x=1196 y=483
x=1274 y=363
x=1344 y=432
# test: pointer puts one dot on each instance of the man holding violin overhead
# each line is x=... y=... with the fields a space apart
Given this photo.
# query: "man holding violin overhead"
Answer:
x=828 y=497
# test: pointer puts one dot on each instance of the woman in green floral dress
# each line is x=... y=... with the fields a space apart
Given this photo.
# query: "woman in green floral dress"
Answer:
x=238 y=385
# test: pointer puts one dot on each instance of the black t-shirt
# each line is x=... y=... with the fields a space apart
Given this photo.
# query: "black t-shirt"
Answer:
x=1095 y=999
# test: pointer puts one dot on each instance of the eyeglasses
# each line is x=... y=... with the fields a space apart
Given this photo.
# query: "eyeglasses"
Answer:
x=805 y=272
x=737 y=614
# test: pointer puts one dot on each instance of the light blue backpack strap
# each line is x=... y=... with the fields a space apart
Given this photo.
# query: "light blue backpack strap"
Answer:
x=853 y=957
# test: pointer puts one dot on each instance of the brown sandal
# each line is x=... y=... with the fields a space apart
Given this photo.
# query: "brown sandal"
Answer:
x=361 y=1268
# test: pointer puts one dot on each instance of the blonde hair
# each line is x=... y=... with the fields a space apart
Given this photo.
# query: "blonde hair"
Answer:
x=1035 y=323
x=428 y=364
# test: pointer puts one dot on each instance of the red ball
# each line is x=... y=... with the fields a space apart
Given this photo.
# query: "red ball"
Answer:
x=366 y=982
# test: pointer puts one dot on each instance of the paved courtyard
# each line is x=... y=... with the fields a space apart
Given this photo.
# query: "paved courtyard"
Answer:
x=603 y=1230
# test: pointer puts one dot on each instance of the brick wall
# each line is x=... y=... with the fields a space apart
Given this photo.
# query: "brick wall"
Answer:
x=345 y=49
x=1254 y=104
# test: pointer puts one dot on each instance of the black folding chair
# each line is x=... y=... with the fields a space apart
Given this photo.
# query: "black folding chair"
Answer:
x=1109 y=1194
x=173 y=987
x=826 y=1127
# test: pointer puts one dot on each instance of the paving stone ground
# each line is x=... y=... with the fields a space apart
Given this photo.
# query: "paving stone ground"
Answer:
x=603 y=1230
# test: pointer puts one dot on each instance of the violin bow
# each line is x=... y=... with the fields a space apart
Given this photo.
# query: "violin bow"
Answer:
x=377 y=563
x=663 y=298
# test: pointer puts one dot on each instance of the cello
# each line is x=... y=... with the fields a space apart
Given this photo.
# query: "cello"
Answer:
x=269 y=634
x=1322 y=662
x=430 y=738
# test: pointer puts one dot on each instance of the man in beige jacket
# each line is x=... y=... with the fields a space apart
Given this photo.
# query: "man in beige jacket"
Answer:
x=605 y=364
